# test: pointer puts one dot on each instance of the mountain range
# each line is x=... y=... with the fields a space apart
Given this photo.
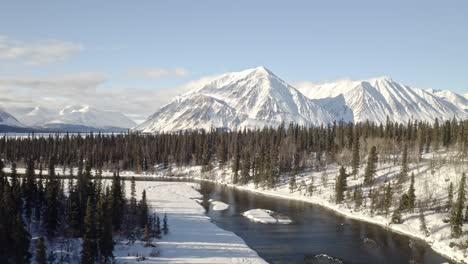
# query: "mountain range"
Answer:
x=256 y=97
x=74 y=118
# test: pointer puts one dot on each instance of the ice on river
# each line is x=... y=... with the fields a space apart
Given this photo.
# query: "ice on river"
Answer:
x=219 y=206
x=192 y=237
x=266 y=217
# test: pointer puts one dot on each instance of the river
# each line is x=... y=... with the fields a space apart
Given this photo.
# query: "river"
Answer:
x=314 y=230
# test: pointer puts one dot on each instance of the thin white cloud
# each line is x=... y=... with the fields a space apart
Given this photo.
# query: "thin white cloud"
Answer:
x=38 y=52
x=21 y=94
x=158 y=73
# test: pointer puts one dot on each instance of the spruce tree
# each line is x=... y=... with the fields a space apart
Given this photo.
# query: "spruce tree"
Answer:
x=29 y=189
x=456 y=219
x=310 y=187
x=89 y=250
x=356 y=160
x=146 y=236
x=117 y=201
x=52 y=200
x=340 y=185
x=371 y=166
x=411 y=195
x=104 y=230
x=165 y=228
x=404 y=165
x=143 y=210
x=450 y=196
x=236 y=162
x=20 y=241
x=292 y=182
x=133 y=200
x=388 y=198
x=422 y=223
x=358 y=196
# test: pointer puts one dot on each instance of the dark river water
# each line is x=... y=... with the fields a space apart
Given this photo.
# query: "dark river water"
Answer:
x=314 y=231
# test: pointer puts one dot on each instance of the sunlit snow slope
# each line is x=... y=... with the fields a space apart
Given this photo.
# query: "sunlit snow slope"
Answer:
x=256 y=98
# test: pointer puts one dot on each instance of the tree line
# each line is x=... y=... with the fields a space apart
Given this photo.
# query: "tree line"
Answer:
x=80 y=207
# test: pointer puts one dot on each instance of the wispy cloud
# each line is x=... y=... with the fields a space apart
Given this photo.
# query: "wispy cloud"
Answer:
x=37 y=52
x=158 y=73
x=22 y=93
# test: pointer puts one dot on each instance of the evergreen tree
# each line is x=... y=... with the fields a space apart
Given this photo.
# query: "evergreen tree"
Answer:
x=117 y=201
x=358 y=196
x=422 y=223
x=404 y=165
x=456 y=219
x=146 y=236
x=41 y=255
x=157 y=230
x=396 y=216
x=29 y=189
x=371 y=167
x=388 y=198
x=356 y=160
x=133 y=200
x=450 y=196
x=310 y=187
x=165 y=228
x=236 y=162
x=143 y=210
x=52 y=200
x=104 y=231
x=20 y=241
x=89 y=250
x=292 y=182
x=411 y=195
x=340 y=185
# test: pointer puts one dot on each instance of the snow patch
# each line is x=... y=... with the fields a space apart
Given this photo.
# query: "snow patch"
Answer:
x=219 y=206
x=266 y=216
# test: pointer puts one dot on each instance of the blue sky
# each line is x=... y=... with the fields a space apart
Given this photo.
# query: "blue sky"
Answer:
x=158 y=45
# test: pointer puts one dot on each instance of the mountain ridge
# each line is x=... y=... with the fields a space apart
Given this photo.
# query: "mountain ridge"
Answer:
x=256 y=97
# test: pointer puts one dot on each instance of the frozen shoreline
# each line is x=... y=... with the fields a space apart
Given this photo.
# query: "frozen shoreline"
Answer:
x=438 y=247
x=438 y=240
x=192 y=237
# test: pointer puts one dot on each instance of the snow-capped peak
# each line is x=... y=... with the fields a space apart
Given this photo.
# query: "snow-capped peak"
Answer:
x=381 y=79
x=76 y=115
x=256 y=97
x=8 y=119
x=249 y=98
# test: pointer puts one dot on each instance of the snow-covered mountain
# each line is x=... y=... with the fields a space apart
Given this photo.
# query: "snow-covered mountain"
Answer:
x=257 y=98
x=6 y=119
x=377 y=98
x=76 y=117
x=250 y=98
x=459 y=100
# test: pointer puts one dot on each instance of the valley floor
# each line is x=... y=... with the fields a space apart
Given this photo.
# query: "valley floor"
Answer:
x=431 y=187
x=192 y=237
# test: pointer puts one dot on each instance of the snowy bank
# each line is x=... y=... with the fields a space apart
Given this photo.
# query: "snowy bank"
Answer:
x=192 y=237
x=266 y=217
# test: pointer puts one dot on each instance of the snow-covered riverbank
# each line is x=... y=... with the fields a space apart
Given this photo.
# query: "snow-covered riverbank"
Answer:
x=439 y=239
x=192 y=238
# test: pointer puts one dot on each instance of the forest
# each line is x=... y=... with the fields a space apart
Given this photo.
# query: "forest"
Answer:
x=79 y=206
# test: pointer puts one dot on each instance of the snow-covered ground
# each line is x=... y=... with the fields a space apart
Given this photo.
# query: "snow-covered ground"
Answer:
x=431 y=184
x=266 y=217
x=219 y=206
x=192 y=237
